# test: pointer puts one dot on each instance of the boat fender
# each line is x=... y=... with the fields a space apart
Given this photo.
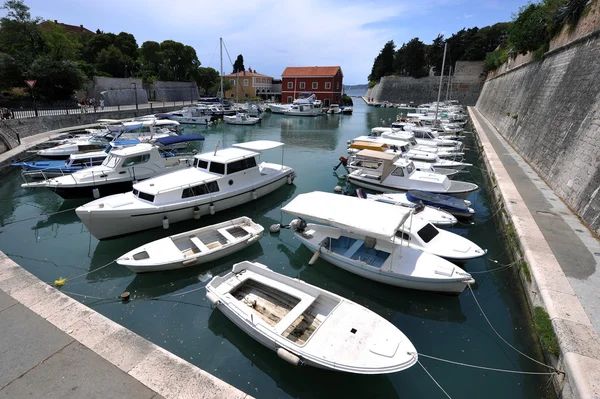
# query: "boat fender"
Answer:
x=165 y=222
x=337 y=189
x=211 y=207
x=197 y=212
x=96 y=193
x=315 y=256
x=212 y=298
x=254 y=195
x=289 y=357
x=275 y=228
x=189 y=262
x=289 y=179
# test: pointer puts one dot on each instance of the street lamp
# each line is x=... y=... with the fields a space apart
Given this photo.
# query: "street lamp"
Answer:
x=136 y=102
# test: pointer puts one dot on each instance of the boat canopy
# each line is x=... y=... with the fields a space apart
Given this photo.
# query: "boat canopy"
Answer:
x=125 y=127
x=368 y=145
x=386 y=156
x=258 y=145
x=179 y=139
x=122 y=143
x=352 y=214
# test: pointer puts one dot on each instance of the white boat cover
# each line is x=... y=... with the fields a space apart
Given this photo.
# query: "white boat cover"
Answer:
x=352 y=214
x=259 y=145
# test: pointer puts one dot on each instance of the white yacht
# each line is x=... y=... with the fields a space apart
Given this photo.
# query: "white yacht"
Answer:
x=308 y=106
x=119 y=170
x=217 y=180
x=279 y=108
x=241 y=118
x=401 y=175
x=188 y=115
x=334 y=109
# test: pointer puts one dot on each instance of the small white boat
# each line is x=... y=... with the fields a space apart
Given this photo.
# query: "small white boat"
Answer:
x=279 y=108
x=426 y=213
x=400 y=175
x=366 y=238
x=347 y=110
x=307 y=325
x=193 y=247
x=188 y=115
x=241 y=118
x=308 y=106
x=334 y=109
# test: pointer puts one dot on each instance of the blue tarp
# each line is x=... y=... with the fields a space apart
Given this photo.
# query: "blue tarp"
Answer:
x=179 y=139
x=123 y=143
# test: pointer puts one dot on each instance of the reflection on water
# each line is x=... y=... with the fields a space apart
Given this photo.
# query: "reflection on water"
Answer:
x=177 y=316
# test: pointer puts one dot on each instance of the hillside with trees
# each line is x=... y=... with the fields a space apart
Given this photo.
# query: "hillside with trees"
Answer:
x=62 y=60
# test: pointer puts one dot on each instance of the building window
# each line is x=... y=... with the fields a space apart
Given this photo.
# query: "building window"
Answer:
x=245 y=82
x=302 y=85
x=326 y=102
x=290 y=85
x=232 y=95
x=290 y=99
x=315 y=85
x=328 y=85
x=232 y=81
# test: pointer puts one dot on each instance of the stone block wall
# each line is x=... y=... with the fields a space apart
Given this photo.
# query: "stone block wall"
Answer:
x=118 y=91
x=466 y=85
x=172 y=91
x=549 y=111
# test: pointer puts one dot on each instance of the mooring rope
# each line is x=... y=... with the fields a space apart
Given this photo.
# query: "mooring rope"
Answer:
x=505 y=341
x=38 y=216
x=433 y=379
x=502 y=267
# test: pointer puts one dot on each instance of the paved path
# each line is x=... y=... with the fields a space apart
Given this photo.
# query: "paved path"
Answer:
x=563 y=255
x=52 y=346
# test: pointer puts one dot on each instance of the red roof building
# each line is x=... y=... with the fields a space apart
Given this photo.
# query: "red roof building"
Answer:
x=325 y=82
x=48 y=25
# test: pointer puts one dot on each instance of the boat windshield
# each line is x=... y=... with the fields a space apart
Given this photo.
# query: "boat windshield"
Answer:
x=410 y=167
x=111 y=161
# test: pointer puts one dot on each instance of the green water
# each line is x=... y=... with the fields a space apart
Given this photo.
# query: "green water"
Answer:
x=446 y=327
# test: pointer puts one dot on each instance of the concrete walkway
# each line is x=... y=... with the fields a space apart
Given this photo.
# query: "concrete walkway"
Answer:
x=52 y=346
x=563 y=257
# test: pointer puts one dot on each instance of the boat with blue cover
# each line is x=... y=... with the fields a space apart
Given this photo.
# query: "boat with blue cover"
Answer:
x=455 y=206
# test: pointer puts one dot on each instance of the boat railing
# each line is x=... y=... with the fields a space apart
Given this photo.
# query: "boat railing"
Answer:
x=41 y=174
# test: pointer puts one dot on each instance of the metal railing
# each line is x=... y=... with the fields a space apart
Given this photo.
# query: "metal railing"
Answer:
x=77 y=109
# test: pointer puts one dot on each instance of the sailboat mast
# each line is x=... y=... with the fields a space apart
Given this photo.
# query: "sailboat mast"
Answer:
x=221 y=54
x=437 y=105
x=448 y=83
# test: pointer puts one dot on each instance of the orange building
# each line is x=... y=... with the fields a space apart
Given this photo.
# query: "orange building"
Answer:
x=249 y=84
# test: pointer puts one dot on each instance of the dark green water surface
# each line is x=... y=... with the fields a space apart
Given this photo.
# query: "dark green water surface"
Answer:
x=165 y=312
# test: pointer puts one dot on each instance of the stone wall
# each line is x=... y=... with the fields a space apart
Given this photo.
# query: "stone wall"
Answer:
x=548 y=110
x=466 y=85
x=117 y=91
x=172 y=91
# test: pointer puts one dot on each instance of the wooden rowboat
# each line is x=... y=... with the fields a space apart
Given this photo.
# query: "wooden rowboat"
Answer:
x=193 y=247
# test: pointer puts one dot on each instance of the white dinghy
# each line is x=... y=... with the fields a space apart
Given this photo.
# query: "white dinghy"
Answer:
x=307 y=325
x=193 y=247
x=362 y=237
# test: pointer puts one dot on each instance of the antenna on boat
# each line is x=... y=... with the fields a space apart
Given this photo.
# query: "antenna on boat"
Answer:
x=217 y=147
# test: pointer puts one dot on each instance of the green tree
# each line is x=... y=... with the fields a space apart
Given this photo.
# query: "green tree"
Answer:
x=56 y=80
x=384 y=63
x=415 y=64
x=529 y=31
x=112 y=62
x=179 y=62
x=238 y=65
x=60 y=44
x=207 y=78
x=21 y=36
x=11 y=73
x=435 y=54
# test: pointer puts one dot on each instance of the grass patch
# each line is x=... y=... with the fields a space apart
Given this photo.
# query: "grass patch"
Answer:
x=526 y=271
x=543 y=326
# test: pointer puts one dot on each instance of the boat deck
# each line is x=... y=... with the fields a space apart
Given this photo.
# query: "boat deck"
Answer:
x=355 y=249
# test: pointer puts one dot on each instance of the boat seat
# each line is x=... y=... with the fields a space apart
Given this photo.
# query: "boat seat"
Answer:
x=213 y=245
x=293 y=314
x=352 y=250
x=223 y=231
x=199 y=244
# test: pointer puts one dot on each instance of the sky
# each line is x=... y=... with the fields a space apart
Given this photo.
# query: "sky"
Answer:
x=273 y=34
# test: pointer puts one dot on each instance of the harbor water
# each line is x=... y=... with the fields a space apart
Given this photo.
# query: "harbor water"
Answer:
x=41 y=232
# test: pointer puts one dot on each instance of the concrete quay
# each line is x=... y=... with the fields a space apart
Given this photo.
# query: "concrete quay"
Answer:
x=52 y=346
x=562 y=255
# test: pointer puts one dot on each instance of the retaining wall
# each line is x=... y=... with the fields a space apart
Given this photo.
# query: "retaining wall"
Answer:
x=117 y=91
x=466 y=85
x=172 y=91
x=548 y=111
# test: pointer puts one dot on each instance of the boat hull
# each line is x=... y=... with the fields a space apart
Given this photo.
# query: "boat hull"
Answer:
x=449 y=288
x=117 y=223
x=377 y=186
x=82 y=191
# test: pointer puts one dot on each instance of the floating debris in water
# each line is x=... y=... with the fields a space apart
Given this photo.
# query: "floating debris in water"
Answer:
x=205 y=277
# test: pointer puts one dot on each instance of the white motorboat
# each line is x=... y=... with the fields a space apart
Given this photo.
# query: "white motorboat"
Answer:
x=465 y=211
x=401 y=175
x=119 y=170
x=241 y=118
x=427 y=214
x=334 y=109
x=409 y=144
x=77 y=144
x=307 y=325
x=308 y=106
x=188 y=115
x=360 y=237
x=423 y=161
x=193 y=247
x=218 y=180
x=347 y=110
x=279 y=108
